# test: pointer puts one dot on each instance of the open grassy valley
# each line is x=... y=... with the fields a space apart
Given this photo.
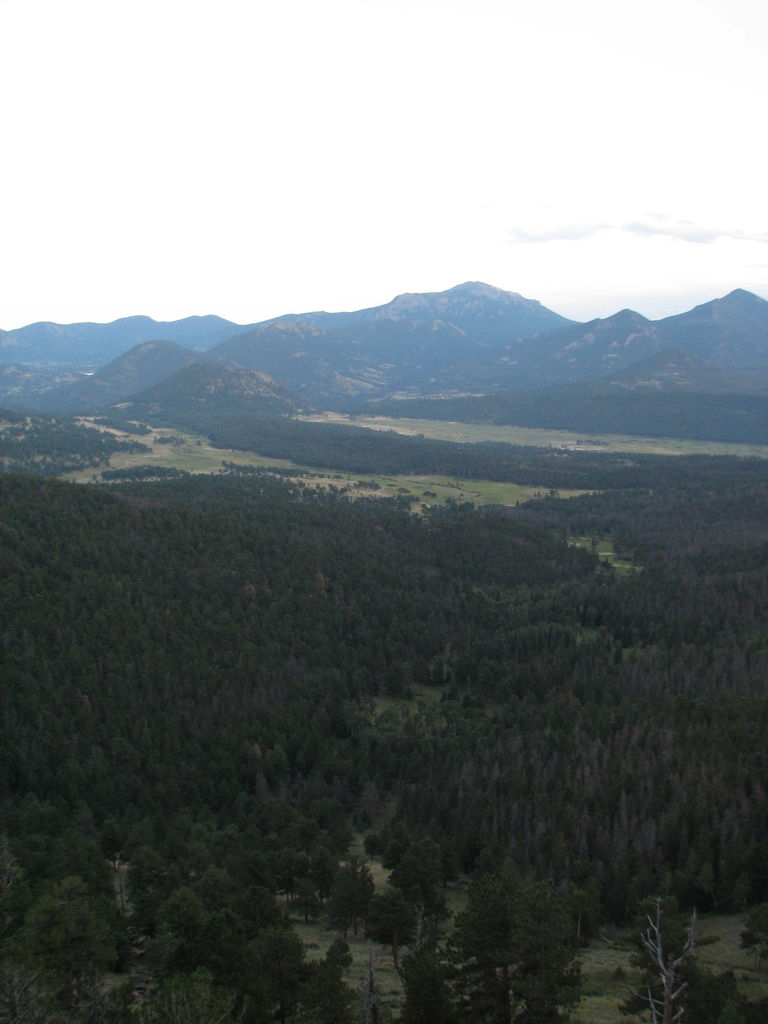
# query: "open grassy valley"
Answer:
x=538 y=437
x=169 y=449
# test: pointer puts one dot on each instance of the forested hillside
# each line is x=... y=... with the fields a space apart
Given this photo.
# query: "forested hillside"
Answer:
x=218 y=681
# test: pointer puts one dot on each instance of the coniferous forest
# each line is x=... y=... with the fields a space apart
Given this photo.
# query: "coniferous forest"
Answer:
x=222 y=693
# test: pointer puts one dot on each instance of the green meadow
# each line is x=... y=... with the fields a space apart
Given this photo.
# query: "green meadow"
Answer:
x=444 y=430
x=193 y=453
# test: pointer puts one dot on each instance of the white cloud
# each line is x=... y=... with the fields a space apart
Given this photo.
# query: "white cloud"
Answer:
x=689 y=232
x=561 y=233
x=647 y=226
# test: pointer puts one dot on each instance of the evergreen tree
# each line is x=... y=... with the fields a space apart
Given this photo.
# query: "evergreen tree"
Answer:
x=351 y=892
x=67 y=937
x=426 y=997
x=391 y=920
x=513 y=954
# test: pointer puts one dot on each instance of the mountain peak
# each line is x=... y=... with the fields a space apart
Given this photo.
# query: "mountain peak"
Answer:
x=742 y=298
x=479 y=288
x=466 y=290
x=470 y=294
x=629 y=316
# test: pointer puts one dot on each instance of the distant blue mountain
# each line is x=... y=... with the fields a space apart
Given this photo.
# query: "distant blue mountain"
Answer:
x=89 y=345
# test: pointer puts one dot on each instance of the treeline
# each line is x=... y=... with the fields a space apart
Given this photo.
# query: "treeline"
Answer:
x=218 y=680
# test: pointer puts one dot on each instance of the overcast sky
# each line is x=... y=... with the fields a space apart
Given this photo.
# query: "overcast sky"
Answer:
x=255 y=157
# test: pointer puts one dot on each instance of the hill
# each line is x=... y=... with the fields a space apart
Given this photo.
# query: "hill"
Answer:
x=202 y=393
x=134 y=371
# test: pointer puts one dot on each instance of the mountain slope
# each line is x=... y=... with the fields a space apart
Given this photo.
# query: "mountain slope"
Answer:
x=139 y=368
x=203 y=392
x=731 y=331
x=371 y=358
x=552 y=358
x=676 y=369
x=22 y=386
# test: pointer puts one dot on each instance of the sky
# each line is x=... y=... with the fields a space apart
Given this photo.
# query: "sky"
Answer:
x=250 y=158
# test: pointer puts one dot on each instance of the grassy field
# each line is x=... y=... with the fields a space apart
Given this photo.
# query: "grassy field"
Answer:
x=437 y=490
x=190 y=452
x=603 y=547
x=444 y=430
x=194 y=453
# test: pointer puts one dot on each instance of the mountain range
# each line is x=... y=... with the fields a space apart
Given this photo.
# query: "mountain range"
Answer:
x=470 y=340
x=87 y=346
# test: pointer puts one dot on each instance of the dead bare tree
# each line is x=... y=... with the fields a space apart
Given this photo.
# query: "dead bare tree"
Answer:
x=370 y=995
x=667 y=1007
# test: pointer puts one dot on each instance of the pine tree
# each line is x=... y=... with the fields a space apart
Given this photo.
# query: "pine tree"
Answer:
x=513 y=954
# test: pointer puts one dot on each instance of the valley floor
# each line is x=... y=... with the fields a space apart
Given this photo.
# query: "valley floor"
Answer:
x=444 y=430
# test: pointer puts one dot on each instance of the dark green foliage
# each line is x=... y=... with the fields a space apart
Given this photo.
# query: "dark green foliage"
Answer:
x=191 y=679
x=513 y=960
x=425 y=988
x=279 y=971
x=121 y=422
x=715 y=998
x=245 y=624
x=755 y=934
x=184 y=999
x=351 y=894
x=142 y=473
x=67 y=936
x=187 y=919
x=324 y=996
x=418 y=874
x=28 y=996
x=391 y=920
